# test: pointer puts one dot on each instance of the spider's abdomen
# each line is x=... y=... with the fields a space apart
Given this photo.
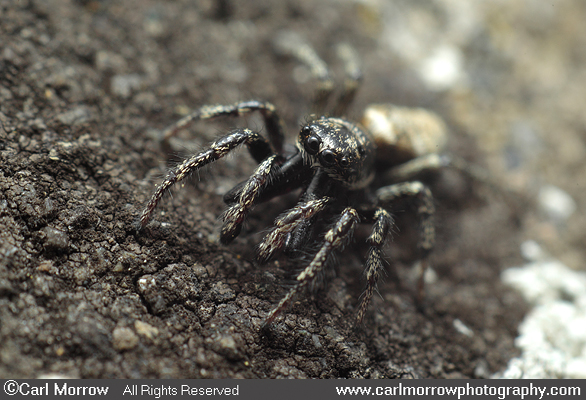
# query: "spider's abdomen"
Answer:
x=403 y=133
x=345 y=151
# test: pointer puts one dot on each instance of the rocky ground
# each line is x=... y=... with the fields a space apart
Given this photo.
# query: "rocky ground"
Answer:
x=86 y=88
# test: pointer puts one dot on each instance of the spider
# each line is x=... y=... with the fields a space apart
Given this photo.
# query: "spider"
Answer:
x=334 y=164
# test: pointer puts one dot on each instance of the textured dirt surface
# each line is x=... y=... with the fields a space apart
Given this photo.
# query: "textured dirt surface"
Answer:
x=87 y=86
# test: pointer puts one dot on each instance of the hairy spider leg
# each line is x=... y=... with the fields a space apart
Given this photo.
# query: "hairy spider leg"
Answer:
x=383 y=223
x=234 y=216
x=435 y=162
x=335 y=238
x=352 y=79
x=291 y=175
x=425 y=210
x=291 y=44
x=258 y=146
x=274 y=123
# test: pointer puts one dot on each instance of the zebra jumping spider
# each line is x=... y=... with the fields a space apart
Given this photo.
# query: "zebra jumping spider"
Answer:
x=334 y=164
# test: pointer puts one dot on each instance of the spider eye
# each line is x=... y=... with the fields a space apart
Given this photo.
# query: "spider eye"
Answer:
x=327 y=157
x=312 y=144
x=344 y=162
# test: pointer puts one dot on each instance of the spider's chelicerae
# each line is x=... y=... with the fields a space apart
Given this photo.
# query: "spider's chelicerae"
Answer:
x=333 y=164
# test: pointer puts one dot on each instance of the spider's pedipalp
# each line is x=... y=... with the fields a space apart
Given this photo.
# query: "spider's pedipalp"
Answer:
x=334 y=239
x=255 y=142
x=286 y=224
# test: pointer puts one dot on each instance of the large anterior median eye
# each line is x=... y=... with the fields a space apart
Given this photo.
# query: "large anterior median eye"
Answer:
x=312 y=144
x=327 y=157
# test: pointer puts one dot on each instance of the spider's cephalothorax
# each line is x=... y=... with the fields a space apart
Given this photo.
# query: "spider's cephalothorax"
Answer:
x=344 y=151
x=333 y=165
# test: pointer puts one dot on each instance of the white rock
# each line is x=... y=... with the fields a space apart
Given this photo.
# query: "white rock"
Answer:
x=552 y=337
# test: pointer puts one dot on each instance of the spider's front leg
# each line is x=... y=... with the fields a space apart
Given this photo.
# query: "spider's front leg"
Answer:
x=234 y=216
x=335 y=238
x=258 y=146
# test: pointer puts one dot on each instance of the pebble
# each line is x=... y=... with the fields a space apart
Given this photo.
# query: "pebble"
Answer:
x=557 y=204
x=124 y=339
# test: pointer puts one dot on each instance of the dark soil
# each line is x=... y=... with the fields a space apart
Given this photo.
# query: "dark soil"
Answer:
x=85 y=89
